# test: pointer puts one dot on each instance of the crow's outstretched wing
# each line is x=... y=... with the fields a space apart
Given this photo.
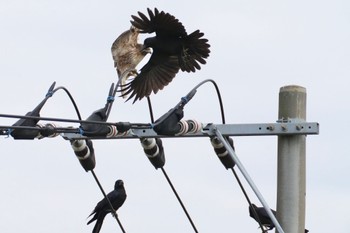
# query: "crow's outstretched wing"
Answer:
x=163 y=24
x=154 y=76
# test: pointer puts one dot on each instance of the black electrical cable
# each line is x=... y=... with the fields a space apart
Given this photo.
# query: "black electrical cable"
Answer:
x=68 y=120
x=150 y=109
x=167 y=177
x=248 y=200
x=35 y=113
x=48 y=95
x=71 y=99
x=133 y=125
x=179 y=199
x=217 y=93
x=223 y=122
x=92 y=171
x=233 y=171
x=53 y=130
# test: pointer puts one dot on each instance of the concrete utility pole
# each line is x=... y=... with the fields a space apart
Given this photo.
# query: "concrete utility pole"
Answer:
x=291 y=162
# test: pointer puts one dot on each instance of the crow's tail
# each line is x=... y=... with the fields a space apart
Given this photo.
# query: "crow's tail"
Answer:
x=99 y=222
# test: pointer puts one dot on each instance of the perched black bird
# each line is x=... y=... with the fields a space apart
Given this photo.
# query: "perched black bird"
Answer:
x=173 y=49
x=263 y=216
x=127 y=54
x=116 y=197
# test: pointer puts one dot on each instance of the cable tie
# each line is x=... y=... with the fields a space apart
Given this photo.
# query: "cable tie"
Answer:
x=9 y=131
x=184 y=99
x=110 y=98
x=49 y=94
x=81 y=131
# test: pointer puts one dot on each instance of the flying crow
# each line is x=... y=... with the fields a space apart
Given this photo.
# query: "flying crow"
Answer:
x=116 y=197
x=127 y=54
x=172 y=49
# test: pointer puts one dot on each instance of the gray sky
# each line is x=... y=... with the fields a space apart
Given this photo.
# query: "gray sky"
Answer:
x=256 y=48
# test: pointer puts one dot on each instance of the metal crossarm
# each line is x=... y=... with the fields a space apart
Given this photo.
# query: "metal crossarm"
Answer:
x=258 y=129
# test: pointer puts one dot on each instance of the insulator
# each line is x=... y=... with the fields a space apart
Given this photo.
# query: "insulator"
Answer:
x=220 y=150
x=113 y=132
x=188 y=126
x=84 y=151
x=183 y=127
x=153 y=148
x=121 y=134
x=50 y=129
x=47 y=130
x=40 y=126
x=194 y=126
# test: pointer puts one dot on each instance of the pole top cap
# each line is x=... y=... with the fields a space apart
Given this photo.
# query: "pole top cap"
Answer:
x=293 y=88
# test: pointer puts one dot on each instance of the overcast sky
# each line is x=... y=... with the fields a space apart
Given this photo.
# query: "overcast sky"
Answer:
x=256 y=48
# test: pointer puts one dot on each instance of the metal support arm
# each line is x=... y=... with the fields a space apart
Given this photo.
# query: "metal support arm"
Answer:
x=258 y=129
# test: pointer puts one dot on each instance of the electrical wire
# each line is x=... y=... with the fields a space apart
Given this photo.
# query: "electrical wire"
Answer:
x=248 y=200
x=4 y=130
x=224 y=122
x=92 y=171
x=233 y=171
x=71 y=99
x=179 y=199
x=167 y=177
x=217 y=93
x=150 y=109
x=133 y=125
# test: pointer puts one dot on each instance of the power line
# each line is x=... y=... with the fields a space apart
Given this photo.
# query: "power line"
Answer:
x=179 y=199
x=134 y=125
x=232 y=168
x=248 y=200
x=166 y=175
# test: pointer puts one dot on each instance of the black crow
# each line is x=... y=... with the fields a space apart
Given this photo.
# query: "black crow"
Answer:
x=127 y=54
x=172 y=49
x=116 y=197
x=264 y=218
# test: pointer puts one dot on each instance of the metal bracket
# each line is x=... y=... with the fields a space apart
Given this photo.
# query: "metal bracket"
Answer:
x=262 y=129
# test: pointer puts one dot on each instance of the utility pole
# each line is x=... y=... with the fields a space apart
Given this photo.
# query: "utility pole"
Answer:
x=291 y=162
